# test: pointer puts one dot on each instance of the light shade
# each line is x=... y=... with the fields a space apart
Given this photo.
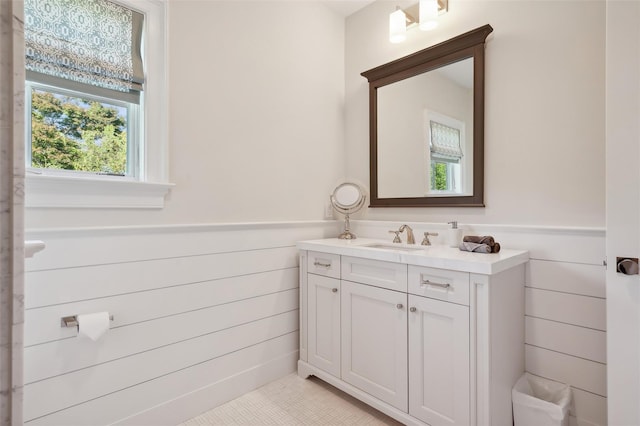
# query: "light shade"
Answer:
x=398 y=26
x=428 y=14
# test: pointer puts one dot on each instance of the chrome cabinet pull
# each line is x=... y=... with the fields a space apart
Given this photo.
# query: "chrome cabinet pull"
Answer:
x=424 y=282
x=334 y=290
x=399 y=306
x=324 y=265
x=412 y=309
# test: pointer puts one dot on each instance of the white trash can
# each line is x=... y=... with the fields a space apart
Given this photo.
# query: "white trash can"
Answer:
x=540 y=402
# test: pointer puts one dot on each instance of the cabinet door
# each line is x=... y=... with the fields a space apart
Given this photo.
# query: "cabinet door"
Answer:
x=323 y=323
x=439 y=377
x=374 y=342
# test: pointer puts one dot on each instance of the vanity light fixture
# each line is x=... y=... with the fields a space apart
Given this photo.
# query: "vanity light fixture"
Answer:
x=428 y=12
x=398 y=26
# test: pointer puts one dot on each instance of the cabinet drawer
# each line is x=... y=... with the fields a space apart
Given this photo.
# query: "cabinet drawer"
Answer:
x=324 y=264
x=375 y=272
x=451 y=286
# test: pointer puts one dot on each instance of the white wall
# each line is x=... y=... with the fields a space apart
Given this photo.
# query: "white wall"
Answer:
x=256 y=94
x=544 y=166
x=201 y=315
x=544 y=107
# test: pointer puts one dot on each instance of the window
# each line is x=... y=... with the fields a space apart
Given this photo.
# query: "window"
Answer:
x=445 y=136
x=92 y=137
x=75 y=131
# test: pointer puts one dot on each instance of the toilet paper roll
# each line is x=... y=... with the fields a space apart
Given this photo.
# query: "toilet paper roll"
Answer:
x=93 y=326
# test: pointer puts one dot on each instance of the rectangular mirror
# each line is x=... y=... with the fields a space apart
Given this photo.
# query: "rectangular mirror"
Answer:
x=427 y=126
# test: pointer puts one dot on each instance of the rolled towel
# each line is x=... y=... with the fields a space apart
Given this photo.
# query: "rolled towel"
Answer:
x=475 y=247
x=479 y=239
x=495 y=248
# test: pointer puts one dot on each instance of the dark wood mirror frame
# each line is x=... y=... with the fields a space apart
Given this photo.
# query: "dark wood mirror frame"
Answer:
x=467 y=45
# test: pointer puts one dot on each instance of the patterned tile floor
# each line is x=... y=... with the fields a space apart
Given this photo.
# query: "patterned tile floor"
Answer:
x=293 y=401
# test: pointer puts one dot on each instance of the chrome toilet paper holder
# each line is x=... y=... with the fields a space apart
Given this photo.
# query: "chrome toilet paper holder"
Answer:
x=72 y=321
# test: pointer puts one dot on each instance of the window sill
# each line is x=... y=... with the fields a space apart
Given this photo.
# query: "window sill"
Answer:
x=45 y=191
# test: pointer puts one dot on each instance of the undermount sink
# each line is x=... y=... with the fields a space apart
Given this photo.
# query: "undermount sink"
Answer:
x=392 y=246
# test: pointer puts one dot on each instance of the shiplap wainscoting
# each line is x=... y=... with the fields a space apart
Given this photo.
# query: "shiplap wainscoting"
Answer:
x=564 y=304
x=202 y=314
x=205 y=313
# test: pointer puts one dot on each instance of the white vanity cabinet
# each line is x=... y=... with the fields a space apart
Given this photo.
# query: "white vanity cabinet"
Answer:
x=431 y=336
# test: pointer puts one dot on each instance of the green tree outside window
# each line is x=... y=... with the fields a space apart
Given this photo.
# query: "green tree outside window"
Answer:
x=71 y=133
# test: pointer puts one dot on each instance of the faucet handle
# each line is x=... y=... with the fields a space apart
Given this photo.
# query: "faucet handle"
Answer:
x=396 y=239
x=426 y=241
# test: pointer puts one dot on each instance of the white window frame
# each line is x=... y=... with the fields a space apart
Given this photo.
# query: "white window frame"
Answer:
x=51 y=189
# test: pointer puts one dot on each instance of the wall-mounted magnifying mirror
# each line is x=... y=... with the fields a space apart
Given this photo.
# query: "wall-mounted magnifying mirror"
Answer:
x=426 y=124
x=347 y=199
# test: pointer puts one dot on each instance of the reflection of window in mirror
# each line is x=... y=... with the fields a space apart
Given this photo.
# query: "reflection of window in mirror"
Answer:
x=444 y=154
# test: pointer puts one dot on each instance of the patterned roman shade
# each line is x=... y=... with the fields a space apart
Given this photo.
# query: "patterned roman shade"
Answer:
x=91 y=42
x=445 y=141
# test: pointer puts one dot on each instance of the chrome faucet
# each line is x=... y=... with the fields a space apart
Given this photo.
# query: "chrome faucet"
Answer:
x=410 y=237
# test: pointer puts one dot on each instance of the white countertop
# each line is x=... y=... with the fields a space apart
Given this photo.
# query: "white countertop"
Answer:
x=436 y=256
